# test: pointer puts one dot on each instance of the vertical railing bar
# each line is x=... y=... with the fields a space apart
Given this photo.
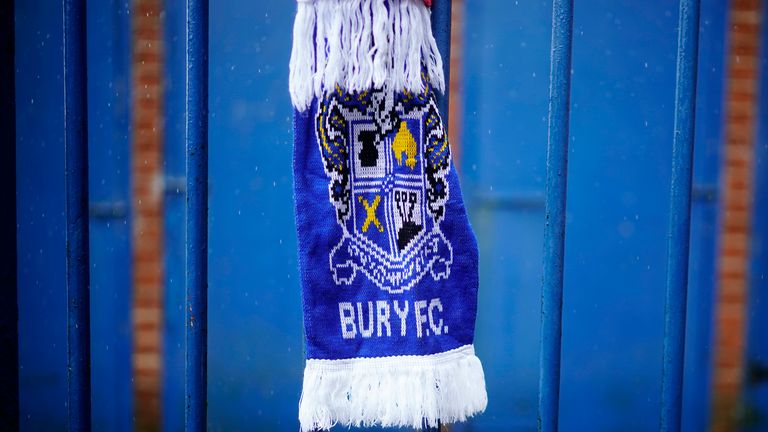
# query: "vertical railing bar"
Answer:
x=441 y=30
x=554 y=230
x=76 y=180
x=679 y=216
x=196 y=130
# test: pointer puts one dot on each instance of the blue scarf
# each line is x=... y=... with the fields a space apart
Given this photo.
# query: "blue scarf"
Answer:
x=387 y=257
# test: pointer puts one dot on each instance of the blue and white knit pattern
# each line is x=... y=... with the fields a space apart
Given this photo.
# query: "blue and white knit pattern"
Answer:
x=388 y=259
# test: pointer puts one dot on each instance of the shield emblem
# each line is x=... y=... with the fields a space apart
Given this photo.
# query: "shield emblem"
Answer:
x=388 y=193
x=388 y=186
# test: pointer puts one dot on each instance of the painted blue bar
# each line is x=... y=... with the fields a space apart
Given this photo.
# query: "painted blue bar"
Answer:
x=554 y=211
x=680 y=216
x=9 y=310
x=197 y=215
x=441 y=29
x=76 y=179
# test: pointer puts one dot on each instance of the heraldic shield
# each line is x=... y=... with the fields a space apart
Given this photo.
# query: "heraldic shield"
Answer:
x=387 y=158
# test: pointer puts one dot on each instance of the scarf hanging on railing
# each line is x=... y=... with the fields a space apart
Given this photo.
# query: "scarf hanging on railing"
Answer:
x=388 y=260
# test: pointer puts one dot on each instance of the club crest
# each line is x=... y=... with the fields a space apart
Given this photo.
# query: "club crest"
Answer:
x=387 y=159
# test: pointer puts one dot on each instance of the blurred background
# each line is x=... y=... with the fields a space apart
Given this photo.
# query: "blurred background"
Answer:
x=620 y=155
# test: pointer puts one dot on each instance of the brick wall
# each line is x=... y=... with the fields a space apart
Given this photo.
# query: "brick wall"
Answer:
x=147 y=190
x=736 y=198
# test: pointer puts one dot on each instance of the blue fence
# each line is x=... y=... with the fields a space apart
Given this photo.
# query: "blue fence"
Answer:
x=612 y=73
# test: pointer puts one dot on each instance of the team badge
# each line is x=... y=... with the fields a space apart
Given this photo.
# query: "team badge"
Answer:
x=387 y=159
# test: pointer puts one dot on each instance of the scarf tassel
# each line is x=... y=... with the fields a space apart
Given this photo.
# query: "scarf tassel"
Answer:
x=402 y=391
x=362 y=44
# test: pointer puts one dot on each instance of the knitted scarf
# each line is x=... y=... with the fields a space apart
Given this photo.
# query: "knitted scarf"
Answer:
x=387 y=257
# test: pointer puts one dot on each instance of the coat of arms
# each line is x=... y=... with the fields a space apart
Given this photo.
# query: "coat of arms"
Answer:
x=388 y=158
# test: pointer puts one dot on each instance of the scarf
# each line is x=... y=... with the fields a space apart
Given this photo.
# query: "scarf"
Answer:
x=387 y=258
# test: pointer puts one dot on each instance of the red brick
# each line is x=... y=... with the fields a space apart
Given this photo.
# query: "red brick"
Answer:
x=740 y=5
x=746 y=28
x=143 y=57
x=146 y=361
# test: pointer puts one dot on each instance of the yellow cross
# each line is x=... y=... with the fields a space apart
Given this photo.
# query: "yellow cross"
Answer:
x=370 y=210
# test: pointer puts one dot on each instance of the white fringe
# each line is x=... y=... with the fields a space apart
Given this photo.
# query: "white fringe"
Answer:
x=361 y=44
x=405 y=391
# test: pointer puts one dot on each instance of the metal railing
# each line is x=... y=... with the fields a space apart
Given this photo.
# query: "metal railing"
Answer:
x=554 y=213
x=196 y=132
x=679 y=221
x=77 y=253
x=680 y=216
